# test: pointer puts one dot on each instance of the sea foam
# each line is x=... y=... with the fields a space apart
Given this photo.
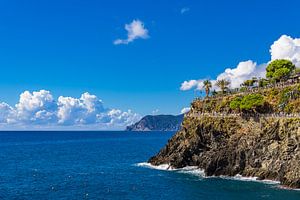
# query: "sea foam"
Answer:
x=239 y=177
x=194 y=170
x=164 y=167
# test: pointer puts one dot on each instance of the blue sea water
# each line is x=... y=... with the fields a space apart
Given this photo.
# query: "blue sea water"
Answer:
x=102 y=165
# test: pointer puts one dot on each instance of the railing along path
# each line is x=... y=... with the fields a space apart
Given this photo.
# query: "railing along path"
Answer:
x=273 y=115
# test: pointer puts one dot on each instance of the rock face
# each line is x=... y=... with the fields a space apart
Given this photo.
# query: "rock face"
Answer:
x=157 y=123
x=267 y=148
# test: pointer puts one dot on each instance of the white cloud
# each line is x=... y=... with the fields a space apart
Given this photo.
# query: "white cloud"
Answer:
x=39 y=109
x=184 y=10
x=35 y=106
x=185 y=110
x=286 y=48
x=244 y=71
x=119 y=118
x=5 y=112
x=187 y=85
x=79 y=111
x=135 y=30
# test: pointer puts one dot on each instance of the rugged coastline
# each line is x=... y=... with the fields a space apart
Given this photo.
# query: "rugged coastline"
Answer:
x=226 y=142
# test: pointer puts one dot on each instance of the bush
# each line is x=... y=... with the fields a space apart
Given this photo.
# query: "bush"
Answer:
x=280 y=73
x=252 y=102
x=236 y=103
x=248 y=102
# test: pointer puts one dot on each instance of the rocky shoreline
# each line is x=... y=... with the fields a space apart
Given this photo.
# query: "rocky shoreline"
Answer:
x=267 y=148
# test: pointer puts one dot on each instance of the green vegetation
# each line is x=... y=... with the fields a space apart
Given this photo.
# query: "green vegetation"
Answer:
x=235 y=104
x=207 y=85
x=283 y=97
x=248 y=83
x=268 y=100
x=279 y=69
x=263 y=82
x=250 y=102
x=223 y=85
x=243 y=89
x=289 y=98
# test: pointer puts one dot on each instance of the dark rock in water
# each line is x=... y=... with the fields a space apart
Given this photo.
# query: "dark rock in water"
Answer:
x=157 y=123
x=267 y=148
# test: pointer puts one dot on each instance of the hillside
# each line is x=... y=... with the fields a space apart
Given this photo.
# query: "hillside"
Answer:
x=157 y=123
x=226 y=136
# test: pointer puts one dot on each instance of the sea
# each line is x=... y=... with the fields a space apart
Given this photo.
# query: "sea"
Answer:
x=110 y=165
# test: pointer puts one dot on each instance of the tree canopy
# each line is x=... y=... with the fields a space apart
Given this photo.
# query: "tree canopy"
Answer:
x=223 y=85
x=248 y=102
x=279 y=69
x=252 y=101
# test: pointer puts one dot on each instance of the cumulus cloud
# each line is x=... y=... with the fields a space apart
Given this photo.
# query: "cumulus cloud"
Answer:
x=185 y=110
x=5 y=112
x=118 y=118
x=79 y=111
x=135 y=30
x=244 y=71
x=187 y=85
x=35 y=107
x=40 y=108
x=286 y=48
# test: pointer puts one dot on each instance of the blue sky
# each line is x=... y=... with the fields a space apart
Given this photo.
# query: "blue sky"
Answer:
x=66 y=47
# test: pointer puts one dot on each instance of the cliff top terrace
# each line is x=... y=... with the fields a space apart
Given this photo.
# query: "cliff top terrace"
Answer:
x=293 y=80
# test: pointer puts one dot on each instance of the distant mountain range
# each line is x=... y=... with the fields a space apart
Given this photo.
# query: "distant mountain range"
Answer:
x=157 y=123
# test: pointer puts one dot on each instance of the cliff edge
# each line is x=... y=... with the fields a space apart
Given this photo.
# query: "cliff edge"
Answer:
x=228 y=143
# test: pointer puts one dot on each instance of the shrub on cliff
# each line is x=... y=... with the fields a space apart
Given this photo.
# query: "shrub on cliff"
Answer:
x=252 y=102
x=236 y=103
x=249 y=102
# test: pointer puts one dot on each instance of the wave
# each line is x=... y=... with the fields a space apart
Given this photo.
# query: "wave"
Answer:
x=194 y=170
x=167 y=167
x=287 y=188
x=239 y=177
x=164 y=167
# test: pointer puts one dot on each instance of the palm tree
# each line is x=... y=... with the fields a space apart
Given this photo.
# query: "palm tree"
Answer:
x=223 y=84
x=207 y=85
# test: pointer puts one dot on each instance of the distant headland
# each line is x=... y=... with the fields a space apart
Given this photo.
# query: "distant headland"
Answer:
x=157 y=123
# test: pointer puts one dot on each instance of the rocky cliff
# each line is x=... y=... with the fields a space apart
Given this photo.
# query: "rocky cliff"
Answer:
x=263 y=146
x=157 y=123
